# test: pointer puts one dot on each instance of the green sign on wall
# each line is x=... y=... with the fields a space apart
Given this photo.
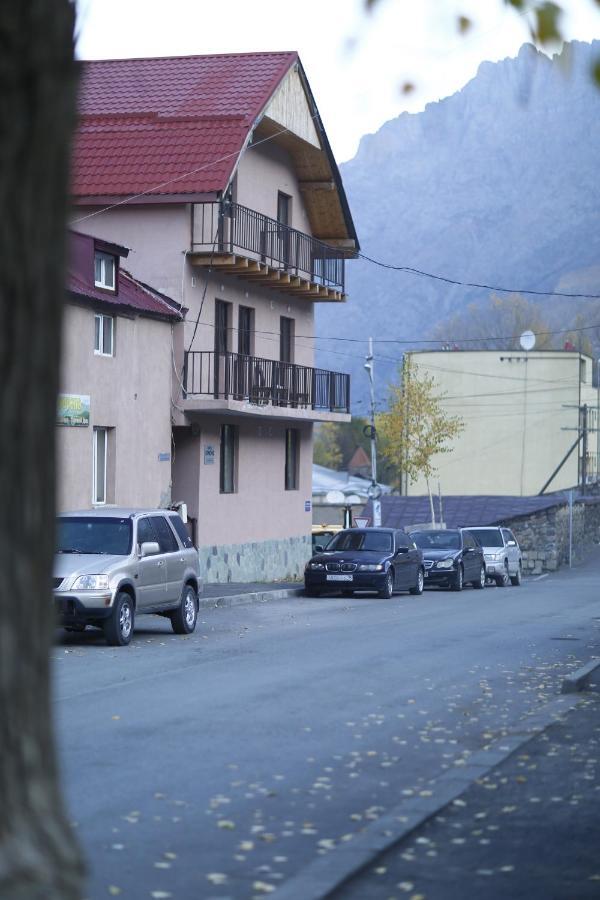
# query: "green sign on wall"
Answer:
x=73 y=409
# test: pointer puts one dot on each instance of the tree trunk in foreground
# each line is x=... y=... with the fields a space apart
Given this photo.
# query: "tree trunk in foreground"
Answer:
x=39 y=857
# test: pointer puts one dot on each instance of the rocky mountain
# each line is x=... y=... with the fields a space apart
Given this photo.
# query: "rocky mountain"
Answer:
x=497 y=184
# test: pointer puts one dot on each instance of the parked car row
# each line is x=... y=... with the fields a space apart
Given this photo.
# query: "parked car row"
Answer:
x=386 y=560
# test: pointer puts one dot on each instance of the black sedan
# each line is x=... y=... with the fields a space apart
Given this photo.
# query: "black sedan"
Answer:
x=452 y=557
x=366 y=559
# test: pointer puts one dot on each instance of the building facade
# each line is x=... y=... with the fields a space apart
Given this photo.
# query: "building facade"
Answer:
x=529 y=420
x=113 y=419
x=218 y=172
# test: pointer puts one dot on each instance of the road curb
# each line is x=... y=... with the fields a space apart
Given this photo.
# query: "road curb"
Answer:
x=329 y=872
x=225 y=601
x=576 y=681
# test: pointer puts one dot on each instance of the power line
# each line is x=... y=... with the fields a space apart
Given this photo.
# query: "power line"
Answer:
x=472 y=284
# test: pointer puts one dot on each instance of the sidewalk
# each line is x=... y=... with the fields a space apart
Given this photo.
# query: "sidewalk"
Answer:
x=529 y=830
x=239 y=594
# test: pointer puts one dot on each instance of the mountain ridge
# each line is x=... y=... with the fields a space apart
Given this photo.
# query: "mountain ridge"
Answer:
x=495 y=184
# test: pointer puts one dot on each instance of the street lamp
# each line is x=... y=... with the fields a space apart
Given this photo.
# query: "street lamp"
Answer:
x=374 y=491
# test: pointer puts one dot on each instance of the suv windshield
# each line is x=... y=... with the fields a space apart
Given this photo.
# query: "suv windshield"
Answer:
x=488 y=537
x=93 y=534
x=361 y=540
x=436 y=540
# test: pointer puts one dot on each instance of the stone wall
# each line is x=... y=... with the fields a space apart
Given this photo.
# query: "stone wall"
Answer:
x=544 y=536
x=282 y=560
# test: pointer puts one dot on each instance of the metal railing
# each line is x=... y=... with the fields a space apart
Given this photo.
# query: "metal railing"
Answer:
x=264 y=381
x=226 y=227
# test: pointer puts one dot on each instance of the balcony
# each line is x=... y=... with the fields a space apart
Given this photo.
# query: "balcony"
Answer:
x=265 y=386
x=228 y=237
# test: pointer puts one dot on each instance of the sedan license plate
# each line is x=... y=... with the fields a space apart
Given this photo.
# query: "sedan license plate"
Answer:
x=339 y=578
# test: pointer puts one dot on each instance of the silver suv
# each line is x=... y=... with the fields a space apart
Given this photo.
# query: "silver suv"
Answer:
x=502 y=553
x=113 y=564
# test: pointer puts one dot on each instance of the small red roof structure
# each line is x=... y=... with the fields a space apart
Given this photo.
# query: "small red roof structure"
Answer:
x=130 y=293
x=171 y=125
x=360 y=464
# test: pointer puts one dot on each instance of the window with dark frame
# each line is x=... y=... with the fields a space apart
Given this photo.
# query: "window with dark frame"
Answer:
x=286 y=339
x=227 y=478
x=292 y=458
x=222 y=326
x=284 y=217
x=245 y=330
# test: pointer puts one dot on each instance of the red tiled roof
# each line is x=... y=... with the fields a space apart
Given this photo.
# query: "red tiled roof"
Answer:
x=131 y=293
x=145 y=124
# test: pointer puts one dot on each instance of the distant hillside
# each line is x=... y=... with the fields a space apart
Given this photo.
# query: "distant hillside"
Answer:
x=498 y=184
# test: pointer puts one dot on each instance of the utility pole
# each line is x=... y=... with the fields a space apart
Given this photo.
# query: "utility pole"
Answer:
x=584 y=446
x=374 y=491
x=597 y=428
x=583 y=431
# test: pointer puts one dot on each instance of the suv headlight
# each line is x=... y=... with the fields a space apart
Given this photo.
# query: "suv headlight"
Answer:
x=445 y=563
x=370 y=567
x=494 y=557
x=315 y=566
x=91 y=583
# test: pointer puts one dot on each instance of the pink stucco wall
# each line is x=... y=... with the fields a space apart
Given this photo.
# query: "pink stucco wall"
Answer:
x=130 y=393
x=260 y=509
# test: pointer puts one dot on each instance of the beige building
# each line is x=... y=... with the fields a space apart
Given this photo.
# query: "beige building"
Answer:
x=522 y=413
x=218 y=173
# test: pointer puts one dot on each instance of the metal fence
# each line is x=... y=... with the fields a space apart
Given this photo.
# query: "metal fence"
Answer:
x=264 y=381
x=225 y=227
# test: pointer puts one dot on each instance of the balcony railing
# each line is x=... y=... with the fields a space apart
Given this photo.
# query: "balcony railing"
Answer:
x=225 y=227
x=264 y=381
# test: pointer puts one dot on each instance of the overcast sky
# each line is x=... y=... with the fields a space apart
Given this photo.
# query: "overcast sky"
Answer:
x=356 y=62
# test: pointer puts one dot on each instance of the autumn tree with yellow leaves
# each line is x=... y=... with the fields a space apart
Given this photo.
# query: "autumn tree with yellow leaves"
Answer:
x=415 y=428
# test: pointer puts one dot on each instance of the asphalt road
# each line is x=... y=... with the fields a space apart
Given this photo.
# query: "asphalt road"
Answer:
x=219 y=765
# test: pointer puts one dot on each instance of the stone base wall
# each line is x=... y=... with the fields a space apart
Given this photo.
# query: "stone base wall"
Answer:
x=544 y=536
x=282 y=560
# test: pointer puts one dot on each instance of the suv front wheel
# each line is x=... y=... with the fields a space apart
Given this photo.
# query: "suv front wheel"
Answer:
x=119 y=627
x=183 y=619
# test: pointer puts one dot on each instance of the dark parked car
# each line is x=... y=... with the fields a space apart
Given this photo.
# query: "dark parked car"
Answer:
x=452 y=557
x=366 y=559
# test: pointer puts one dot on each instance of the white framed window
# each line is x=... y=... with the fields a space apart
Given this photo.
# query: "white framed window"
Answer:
x=99 y=466
x=105 y=268
x=104 y=335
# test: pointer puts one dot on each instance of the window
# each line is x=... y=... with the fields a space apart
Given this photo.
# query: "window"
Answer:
x=103 y=335
x=291 y=459
x=286 y=339
x=92 y=534
x=178 y=525
x=245 y=330
x=166 y=538
x=401 y=540
x=100 y=460
x=105 y=268
x=222 y=326
x=284 y=217
x=354 y=539
x=145 y=532
x=228 y=457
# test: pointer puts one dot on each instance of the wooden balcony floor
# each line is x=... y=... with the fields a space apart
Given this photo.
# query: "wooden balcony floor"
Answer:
x=268 y=276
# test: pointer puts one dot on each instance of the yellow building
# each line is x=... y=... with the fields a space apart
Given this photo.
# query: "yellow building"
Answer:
x=522 y=413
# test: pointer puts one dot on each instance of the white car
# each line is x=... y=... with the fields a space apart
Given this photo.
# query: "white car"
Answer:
x=503 y=561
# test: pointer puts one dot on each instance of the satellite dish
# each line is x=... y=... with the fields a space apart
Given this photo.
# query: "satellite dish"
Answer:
x=527 y=340
x=335 y=497
x=353 y=500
